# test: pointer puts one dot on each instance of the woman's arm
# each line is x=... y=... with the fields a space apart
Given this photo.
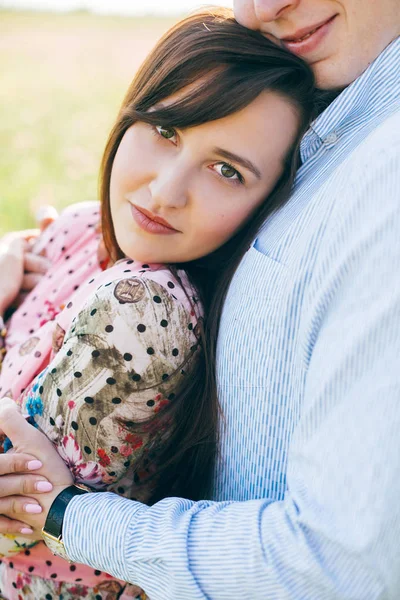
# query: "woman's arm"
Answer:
x=119 y=364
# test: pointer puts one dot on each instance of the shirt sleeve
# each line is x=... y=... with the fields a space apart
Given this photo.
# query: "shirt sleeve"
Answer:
x=336 y=534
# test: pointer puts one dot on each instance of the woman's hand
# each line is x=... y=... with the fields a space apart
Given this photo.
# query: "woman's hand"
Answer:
x=35 y=263
x=16 y=480
x=30 y=509
x=21 y=267
x=12 y=248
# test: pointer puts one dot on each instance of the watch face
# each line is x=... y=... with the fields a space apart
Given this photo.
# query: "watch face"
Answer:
x=55 y=546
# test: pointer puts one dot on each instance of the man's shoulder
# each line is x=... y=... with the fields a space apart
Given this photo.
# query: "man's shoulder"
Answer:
x=373 y=165
x=360 y=197
x=380 y=144
x=363 y=191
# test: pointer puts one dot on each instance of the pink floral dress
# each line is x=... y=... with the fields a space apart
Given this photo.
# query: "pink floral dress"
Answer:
x=89 y=353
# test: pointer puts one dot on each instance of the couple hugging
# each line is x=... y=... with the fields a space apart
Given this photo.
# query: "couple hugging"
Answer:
x=223 y=325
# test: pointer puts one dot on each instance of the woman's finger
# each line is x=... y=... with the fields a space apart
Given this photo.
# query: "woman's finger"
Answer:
x=13 y=526
x=23 y=484
x=15 y=506
x=13 y=242
x=12 y=463
x=30 y=280
x=30 y=234
x=35 y=263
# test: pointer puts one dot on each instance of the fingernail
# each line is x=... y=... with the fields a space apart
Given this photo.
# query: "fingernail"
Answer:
x=33 y=508
x=26 y=530
x=34 y=464
x=43 y=486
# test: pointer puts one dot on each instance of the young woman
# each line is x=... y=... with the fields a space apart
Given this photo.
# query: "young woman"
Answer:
x=113 y=356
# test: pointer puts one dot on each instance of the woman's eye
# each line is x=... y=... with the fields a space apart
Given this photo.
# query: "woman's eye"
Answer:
x=166 y=132
x=228 y=172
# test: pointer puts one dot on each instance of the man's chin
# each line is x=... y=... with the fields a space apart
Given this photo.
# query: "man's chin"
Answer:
x=330 y=77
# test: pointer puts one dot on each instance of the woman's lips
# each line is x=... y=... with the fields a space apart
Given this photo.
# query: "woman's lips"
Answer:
x=150 y=223
x=305 y=42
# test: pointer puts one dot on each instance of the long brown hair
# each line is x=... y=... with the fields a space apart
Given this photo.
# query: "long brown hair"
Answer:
x=231 y=66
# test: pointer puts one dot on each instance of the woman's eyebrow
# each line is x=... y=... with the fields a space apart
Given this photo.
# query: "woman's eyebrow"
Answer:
x=247 y=164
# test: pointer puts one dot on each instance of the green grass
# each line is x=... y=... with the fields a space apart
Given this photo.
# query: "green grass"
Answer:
x=62 y=79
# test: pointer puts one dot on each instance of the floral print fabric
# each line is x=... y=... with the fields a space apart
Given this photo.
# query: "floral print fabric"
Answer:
x=111 y=352
x=25 y=586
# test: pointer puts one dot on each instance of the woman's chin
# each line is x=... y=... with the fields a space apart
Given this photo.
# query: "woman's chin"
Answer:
x=145 y=258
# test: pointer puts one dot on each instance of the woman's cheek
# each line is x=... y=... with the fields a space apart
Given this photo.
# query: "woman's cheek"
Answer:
x=133 y=158
x=219 y=228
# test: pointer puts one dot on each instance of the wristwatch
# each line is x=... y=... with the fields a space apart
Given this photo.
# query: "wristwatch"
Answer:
x=52 y=530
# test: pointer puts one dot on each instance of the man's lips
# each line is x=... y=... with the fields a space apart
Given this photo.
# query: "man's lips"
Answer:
x=306 y=41
x=306 y=32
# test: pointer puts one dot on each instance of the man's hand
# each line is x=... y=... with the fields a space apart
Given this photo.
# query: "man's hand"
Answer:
x=29 y=445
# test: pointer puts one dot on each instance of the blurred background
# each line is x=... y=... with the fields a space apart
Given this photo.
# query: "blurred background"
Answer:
x=64 y=68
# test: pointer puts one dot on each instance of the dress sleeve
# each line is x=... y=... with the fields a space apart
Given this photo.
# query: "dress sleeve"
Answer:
x=123 y=359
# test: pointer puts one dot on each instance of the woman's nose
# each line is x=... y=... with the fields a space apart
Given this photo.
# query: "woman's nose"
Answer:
x=169 y=188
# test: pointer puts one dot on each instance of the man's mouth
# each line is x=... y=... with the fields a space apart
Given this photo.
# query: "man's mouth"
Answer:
x=304 y=34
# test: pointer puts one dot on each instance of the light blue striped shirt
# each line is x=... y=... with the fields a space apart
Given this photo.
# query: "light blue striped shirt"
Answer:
x=307 y=490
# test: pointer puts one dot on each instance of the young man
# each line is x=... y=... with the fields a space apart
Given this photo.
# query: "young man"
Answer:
x=308 y=363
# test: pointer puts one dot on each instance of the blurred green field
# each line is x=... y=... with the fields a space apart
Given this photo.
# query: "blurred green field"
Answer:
x=62 y=79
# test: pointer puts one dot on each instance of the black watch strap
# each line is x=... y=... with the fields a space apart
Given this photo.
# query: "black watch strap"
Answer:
x=55 y=517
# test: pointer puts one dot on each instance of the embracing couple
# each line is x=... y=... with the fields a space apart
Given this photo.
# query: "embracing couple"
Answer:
x=225 y=325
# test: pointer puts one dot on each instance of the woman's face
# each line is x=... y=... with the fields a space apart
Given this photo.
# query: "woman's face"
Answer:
x=177 y=195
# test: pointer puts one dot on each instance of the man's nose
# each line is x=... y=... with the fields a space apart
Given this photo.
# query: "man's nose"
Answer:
x=271 y=10
x=169 y=188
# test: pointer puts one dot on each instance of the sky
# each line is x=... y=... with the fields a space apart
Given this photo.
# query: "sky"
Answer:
x=124 y=7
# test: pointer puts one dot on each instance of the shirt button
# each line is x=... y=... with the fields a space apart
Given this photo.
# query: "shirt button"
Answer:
x=331 y=138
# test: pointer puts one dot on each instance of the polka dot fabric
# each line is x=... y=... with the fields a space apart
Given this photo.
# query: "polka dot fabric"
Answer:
x=28 y=586
x=88 y=353
x=71 y=244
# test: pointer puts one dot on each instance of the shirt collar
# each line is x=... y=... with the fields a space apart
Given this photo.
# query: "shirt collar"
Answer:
x=374 y=92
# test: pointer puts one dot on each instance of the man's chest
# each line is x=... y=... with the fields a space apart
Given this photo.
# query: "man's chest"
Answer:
x=263 y=347
x=273 y=312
